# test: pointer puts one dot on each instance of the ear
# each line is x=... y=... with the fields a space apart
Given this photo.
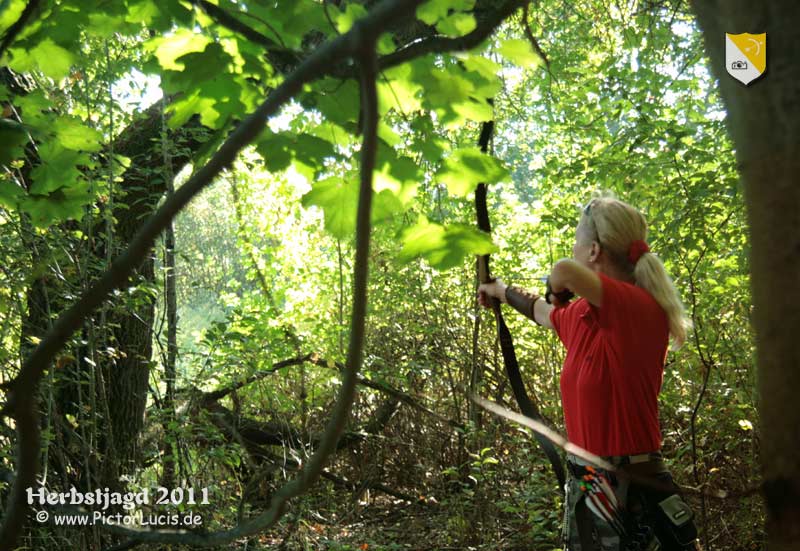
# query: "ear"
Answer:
x=594 y=254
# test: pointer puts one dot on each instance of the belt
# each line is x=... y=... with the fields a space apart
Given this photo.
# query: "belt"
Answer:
x=577 y=465
x=621 y=460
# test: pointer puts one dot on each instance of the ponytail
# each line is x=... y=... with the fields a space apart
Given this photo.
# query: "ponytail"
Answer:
x=651 y=276
x=622 y=231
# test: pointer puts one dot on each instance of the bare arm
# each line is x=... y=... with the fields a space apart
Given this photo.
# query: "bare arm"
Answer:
x=528 y=304
x=569 y=274
x=542 y=312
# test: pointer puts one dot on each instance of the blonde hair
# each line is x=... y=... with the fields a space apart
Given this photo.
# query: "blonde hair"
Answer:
x=617 y=225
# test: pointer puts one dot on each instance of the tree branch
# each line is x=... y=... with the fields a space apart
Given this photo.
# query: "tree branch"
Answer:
x=441 y=44
x=231 y=23
x=14 y=30
x=215 y=395
x=532 y=39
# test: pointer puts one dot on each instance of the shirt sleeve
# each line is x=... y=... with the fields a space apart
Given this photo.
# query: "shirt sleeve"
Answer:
x=563 y=320
x=614 y=301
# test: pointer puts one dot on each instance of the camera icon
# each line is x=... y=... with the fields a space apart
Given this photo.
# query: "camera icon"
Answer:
x=739 y=65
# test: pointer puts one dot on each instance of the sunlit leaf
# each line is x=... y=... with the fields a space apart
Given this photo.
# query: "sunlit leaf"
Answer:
x=432 y=11
x=169 y=48
x=468 y=167
x=47 y=56
x=400 y=175
x=520 y=52
x=745 y=425
x=444 y=247
x=186 y=107
x=457 y=24
x=338 y=101
x=74 y=134
x=278 y=150
x=338 y=198
x=351 y=14
x=198 y=67
x=398 y=90
x=10 y=11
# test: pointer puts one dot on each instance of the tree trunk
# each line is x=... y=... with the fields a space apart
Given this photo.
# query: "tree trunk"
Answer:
x=128 y=330
x=131 y=323
x=764 y=122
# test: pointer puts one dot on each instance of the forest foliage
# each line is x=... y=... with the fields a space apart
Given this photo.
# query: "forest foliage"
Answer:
x=586 y=97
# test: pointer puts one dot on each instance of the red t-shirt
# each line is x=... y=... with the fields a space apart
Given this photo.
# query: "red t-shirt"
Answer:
x=613 y=370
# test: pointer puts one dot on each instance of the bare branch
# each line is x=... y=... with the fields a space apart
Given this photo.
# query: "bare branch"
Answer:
x=231 y=23
x=316 y=360
x=532 y=39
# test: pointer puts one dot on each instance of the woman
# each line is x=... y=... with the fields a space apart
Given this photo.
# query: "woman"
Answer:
x=616 y=335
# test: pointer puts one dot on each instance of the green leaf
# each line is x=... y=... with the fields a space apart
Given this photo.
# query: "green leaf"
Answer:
x=35 y=106
x=10 y=10
x=452 y=95
x=457 y=24
x=338 y=199
x=12 y=140
x=169 y=48
x=399 y=91
x=385 y=44
x=432 y=147
x=400 y=175
x=58 y=168
x=47 y=56
x=338 y=101
x=278 y=150
x=388 y=135
x=304 y=17
x=430 y=12
x=385 y=204
x=520 y=52
x=468 y=167
x=104 y=25
x=352 y=13
x=73 y=134
x=483 y=73
x=479 y=111
x=445 y=87
x=142 y=11
x=63 y=204
x=421 y=238
x=444 y=247
x=332 y=133
x=199 y=67
x=185 y=108
x=434 y=10
x=10 y=194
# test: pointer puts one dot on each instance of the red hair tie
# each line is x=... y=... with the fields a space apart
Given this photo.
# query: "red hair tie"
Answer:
x=636 y=250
